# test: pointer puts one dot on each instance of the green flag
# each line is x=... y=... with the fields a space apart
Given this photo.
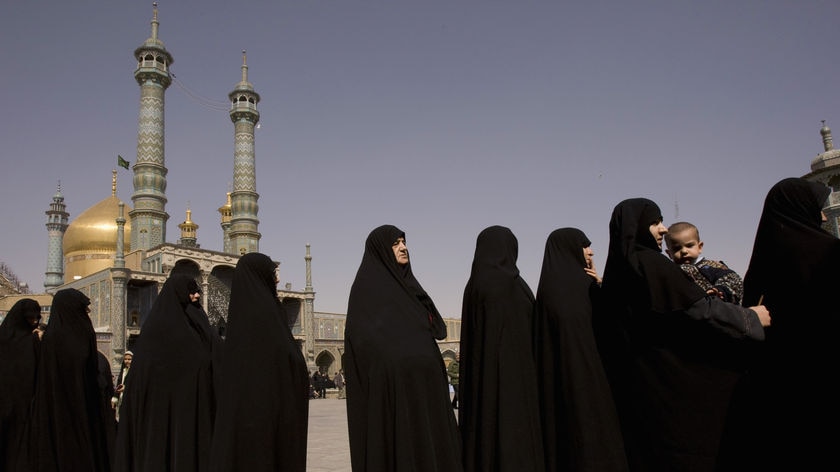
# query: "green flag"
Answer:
x=122 y=162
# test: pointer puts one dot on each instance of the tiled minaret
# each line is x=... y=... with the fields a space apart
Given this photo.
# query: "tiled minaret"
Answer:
x=57 y=221
x=825 y=168
x=149 y=217
x=119 y=275
x=243 y=234
x=309 y=313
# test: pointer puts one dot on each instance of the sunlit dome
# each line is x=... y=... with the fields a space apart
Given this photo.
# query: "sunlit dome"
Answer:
x=96 y=228
x=90 y=242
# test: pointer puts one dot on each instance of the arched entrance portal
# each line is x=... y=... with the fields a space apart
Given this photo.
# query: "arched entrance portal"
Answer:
x=326 y=363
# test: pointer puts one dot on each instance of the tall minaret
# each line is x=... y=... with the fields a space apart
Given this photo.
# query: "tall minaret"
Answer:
x=149 y=217
x=309 y=314
x=57 y=218
x=243 y=234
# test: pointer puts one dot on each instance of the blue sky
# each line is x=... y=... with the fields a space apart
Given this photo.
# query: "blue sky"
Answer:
x=440 y=117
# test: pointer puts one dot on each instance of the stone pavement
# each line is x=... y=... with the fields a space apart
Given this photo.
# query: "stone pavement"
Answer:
x=328 y=446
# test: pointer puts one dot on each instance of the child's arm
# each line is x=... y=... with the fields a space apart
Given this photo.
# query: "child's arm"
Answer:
x=726 y=281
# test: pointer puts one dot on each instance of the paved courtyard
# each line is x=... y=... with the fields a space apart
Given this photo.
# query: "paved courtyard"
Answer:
x=328 y=447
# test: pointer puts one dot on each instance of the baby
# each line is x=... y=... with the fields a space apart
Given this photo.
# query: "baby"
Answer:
x=685 y=248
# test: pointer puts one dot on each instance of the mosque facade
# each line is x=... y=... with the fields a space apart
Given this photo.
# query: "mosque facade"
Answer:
x=118 y=254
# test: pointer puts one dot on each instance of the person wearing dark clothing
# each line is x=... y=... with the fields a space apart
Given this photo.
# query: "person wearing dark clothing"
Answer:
x=166 y=416
x=263 y=409
x=68 y=431
x=398 y=411
x=119 y=389
x=105 y=380
x=499 y=408
x=18 y=367
x=787 y=399
x=453 y=370
x=672 y=357
x=580 y=424
x=320 y=381
x=313 y=394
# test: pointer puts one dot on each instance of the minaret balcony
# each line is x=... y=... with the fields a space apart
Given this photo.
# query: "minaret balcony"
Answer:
x=152 y=64
x=243 y=106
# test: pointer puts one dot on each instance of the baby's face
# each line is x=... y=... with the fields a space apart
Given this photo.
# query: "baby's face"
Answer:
x=684 y=247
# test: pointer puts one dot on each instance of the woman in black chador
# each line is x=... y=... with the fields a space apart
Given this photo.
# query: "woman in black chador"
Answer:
x=672 y=361
x=788 y=398
x=68 y=429
x=261 y=422
x=166 y=416
x=499 y=407
x=398 y=409
x=580 y=424
x=18 y=365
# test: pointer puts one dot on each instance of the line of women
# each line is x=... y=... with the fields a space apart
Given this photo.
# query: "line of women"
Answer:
x=639 y=372
x=191 y=403
x=195 y=403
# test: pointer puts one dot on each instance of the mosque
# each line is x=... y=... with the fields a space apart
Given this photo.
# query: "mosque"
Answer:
x=119 y=256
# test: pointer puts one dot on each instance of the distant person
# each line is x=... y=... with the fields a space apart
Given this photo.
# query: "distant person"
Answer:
x=68 y=428
x=788 y=397
x=18 y=367
x=670 y=354
x=399 y=413
x=338 y=380
x=168 y=406
x=320 y=382
x=119 y=388
x=263 y=409
x=580 y=425
x=714 y=277
x=498 y=412
x=313 y=394
x=453 y=370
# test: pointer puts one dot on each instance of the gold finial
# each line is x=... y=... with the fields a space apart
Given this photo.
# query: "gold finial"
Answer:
x=114 y=183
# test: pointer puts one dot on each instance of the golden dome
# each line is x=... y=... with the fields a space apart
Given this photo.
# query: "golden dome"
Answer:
x=90 y=242
x=96 y=228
